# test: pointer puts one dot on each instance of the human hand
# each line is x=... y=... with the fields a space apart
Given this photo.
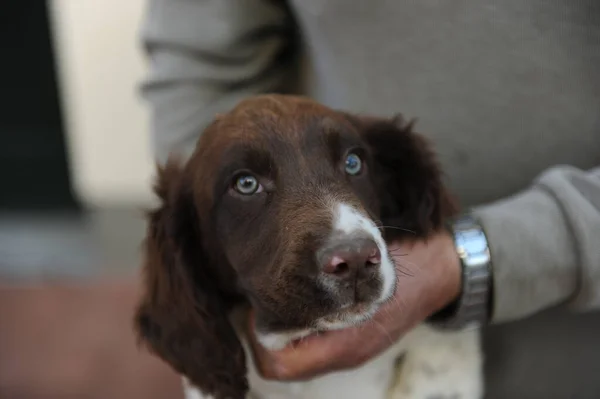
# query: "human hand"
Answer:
x=429 y=278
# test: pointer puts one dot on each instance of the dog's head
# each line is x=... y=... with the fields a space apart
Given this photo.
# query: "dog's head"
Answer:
x=282 y=204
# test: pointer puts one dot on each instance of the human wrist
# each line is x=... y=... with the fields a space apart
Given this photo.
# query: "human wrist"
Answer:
x=450 y=278
x=472 y=306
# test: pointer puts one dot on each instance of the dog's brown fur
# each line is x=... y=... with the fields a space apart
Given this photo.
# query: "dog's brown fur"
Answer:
x=208 y=249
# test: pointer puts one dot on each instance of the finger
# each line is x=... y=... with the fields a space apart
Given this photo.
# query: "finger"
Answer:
x=311 y=356
x=316 y=355
x=321 y=353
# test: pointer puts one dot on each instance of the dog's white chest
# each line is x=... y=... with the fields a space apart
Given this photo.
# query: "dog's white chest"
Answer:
x=370 y=381
x=435 y=365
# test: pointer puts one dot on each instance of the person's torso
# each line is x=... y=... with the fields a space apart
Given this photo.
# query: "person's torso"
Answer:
x=504 y=89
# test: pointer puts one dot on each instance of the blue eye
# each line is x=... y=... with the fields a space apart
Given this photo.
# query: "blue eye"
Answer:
x=353 y=164
x=247 y=185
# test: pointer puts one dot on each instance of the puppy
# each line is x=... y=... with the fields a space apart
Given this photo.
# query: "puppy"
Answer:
x=284 y=207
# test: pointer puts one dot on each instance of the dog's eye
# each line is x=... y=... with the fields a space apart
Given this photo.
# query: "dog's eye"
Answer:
x=353 y=164
x=247 y=185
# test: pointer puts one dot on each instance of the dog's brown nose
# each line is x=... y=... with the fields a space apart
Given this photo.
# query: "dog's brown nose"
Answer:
x=346 y=258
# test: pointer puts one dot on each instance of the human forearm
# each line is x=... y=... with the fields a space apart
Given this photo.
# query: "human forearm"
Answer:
x=545 y=244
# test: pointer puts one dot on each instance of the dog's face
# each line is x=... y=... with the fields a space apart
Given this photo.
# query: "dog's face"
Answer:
x=294 y=204
x=282 y=204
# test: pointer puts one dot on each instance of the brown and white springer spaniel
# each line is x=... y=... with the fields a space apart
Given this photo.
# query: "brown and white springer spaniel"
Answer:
x=278 y=208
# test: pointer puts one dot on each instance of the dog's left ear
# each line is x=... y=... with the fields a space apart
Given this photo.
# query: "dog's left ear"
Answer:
x=407 y=176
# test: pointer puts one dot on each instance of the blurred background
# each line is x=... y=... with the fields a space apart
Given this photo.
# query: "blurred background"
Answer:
x=75 y=161
x=75 y=173
x=75 y=169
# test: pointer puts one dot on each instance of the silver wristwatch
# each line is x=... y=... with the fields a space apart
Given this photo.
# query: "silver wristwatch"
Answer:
x=472 y=308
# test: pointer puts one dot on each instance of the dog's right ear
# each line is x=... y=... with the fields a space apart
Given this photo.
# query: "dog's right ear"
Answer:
x=182 y=317
x=409 y=178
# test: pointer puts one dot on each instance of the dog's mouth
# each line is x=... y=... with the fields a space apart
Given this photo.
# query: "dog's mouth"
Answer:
x=349 y=316
x=356 y=307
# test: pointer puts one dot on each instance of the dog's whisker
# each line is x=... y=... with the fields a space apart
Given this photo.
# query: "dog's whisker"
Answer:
x=388 y=311
x=403 y=270
x=382 y=328
x=392 y=251
x=400 y=302
x=404 y=261
x=397 y=228
x=405 y=273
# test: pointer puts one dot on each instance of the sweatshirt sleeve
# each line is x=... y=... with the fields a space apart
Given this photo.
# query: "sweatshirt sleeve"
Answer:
x=204 y=57
x=545 y=244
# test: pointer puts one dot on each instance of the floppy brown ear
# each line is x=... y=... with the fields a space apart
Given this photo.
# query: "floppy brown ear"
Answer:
x=182 y=317
x=408 y=177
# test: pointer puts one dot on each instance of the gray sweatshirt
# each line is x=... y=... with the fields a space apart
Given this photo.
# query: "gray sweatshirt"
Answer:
x=509 y=92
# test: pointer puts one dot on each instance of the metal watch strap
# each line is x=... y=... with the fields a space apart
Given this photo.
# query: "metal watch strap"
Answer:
x=472 y=308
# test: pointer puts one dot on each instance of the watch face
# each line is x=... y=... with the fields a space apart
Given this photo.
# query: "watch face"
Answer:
x=471 y=242
x=472 y=246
